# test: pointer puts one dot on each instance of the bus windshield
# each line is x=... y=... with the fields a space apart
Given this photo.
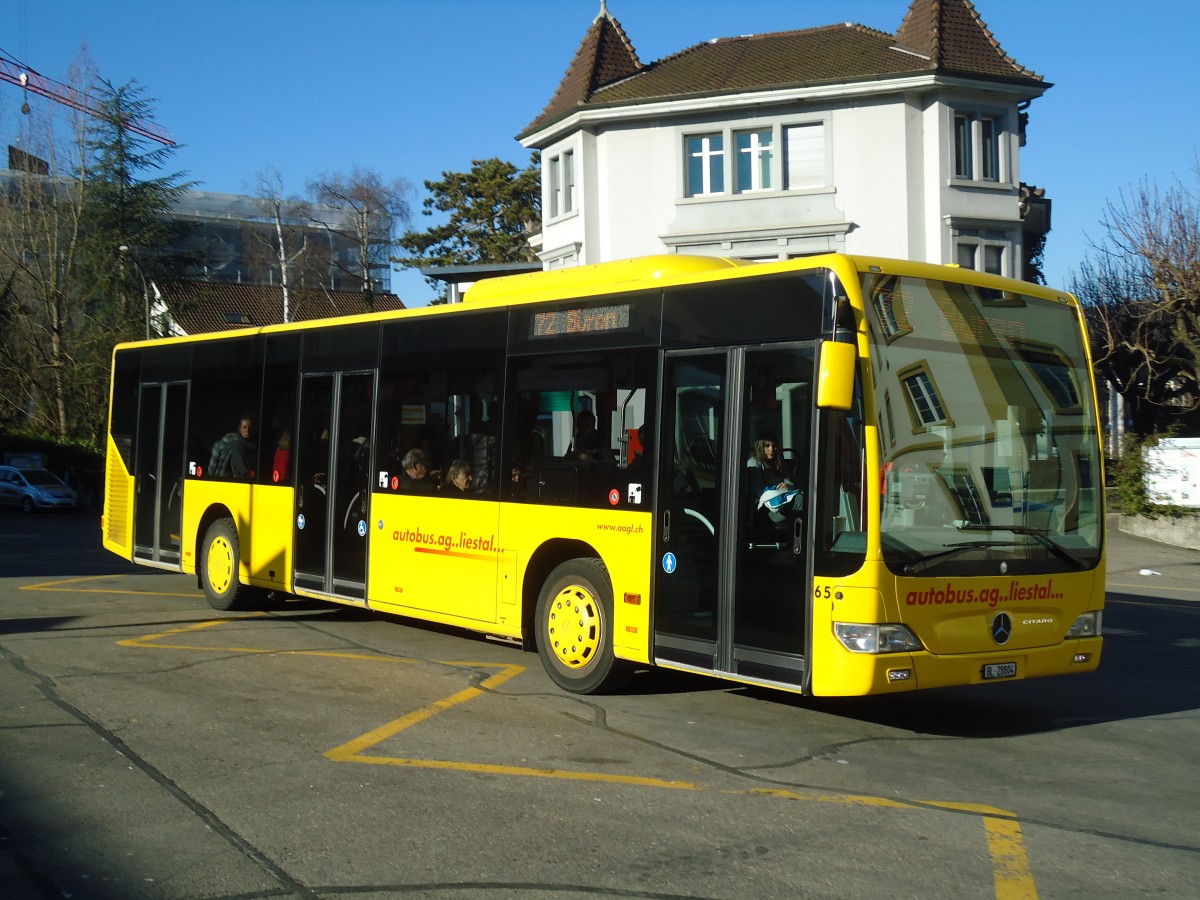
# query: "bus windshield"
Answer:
x=987 y=430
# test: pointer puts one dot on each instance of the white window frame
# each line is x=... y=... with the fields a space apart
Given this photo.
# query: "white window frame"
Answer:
x=926 y=406
x=981 y=243
x=787 y=129
x=979 y=141
x=707 y=156
x=816 y=178
x=763 y=161
x=560 y=184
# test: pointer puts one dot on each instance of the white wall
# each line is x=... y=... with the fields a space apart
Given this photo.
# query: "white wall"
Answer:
x=889 y=193
x=877 y=174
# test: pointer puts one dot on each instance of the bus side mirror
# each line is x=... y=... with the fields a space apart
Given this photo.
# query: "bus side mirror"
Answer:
x=835 y=377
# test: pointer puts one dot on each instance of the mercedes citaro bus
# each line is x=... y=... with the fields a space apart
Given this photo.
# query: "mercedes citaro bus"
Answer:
x=930 y=513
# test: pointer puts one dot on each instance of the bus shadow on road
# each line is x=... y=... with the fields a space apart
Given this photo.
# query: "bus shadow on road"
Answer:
x=34 y=624
x=1147 y=669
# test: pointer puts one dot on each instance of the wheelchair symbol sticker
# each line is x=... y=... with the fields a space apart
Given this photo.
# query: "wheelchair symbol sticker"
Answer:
x=362 y=528
x=669 y=563
x=300 y=521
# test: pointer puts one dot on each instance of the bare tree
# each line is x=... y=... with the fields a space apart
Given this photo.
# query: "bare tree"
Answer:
x=364 y=212
x=53 y=349
x=1142 y=297
x=288 y=240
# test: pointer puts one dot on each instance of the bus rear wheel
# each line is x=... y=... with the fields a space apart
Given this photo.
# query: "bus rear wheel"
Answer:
x=220 y=558
x=574 y=628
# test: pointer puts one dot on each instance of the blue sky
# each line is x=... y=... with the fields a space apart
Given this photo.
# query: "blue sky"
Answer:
x=413 y=89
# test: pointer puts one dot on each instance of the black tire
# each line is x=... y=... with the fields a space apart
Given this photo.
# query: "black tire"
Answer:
x=574 y=629
x=220 y=558
x=27 y=505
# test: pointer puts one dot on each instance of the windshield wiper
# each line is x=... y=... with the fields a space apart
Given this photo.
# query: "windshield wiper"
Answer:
x=925 y=562
x=1041 y=535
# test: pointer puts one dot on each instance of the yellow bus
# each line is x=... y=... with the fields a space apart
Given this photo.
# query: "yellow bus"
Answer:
x=833 y=475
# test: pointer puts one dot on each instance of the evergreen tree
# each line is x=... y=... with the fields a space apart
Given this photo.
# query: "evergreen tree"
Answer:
x=127 y=205
x=492 y=210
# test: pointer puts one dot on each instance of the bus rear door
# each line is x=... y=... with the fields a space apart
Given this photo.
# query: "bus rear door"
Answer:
x=159 y=462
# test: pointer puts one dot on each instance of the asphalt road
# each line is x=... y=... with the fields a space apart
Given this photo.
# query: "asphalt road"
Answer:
x=151 y=747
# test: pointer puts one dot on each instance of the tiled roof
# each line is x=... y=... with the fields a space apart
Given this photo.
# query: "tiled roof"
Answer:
x=203 y=306
x=605 y=57
x=936 y=36
x=954 y=36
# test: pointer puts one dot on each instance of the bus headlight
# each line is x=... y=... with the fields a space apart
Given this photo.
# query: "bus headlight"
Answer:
x=885 y=638
x=1087 y=625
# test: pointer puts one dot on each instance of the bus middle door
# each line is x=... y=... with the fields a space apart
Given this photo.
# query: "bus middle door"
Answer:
x=333 y=466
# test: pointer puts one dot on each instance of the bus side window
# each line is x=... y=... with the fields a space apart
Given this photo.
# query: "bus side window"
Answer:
x=439 y=392
x=225 y=419
x=841 y=540
x=569 y=420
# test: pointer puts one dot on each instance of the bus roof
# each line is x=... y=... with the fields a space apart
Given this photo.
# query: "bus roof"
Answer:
x=643 y=273
x=659 y=271
x=599 y=278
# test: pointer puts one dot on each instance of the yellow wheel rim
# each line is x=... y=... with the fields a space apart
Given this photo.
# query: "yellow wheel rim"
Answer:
x=574 y=627
x=220 y=565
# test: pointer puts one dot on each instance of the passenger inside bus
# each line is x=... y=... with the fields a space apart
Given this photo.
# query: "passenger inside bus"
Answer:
x=415 y=477
x=233 y=455
x=771 y=491
x=458 y=479
x=516 y=481
x=281 y=466
x=639 y=467
x=529 y=443
x=770 y=470
x=588 y=445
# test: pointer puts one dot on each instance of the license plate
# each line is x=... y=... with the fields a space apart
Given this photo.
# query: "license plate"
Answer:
x=1000 y=670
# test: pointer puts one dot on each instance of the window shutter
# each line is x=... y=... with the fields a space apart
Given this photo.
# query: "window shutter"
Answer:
x=805 y=148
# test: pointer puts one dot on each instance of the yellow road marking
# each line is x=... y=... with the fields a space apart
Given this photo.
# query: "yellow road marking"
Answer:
x=351 y=749
x=823 y=797
x=1010 y=863
x=1006 y=845
x=58 y=586
x=354 y=750
x=155 y=642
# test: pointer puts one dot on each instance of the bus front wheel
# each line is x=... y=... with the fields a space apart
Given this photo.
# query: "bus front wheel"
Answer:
x=574 y=628
x=220 y=556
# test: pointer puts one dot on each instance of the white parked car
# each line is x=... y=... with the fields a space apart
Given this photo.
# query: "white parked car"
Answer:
x=31 y=489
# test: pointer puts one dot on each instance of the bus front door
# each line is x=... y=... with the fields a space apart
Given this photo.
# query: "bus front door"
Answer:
x=158 y=473
x=731 y=564
x=333 y=465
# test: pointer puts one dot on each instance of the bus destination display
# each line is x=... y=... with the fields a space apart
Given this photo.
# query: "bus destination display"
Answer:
x=581 y=320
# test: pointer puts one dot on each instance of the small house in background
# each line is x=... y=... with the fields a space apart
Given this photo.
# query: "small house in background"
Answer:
x=188 y=306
